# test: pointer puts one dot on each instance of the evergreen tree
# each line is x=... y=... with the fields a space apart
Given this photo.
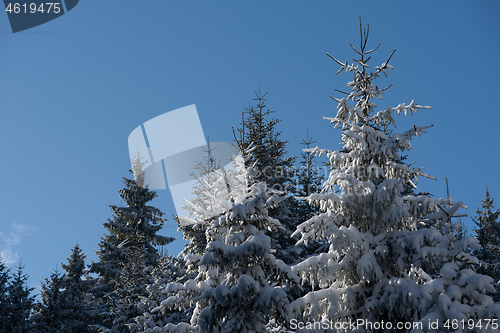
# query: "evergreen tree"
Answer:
x=269 y=158
x=20 y=303
x=135 y=226
x=169 y=270
x=213 y=186
x=241 y=286
x=204 y=198
x=77 y=285
x=383 y=264
x=50 y=314
x=4 y=297
x=133 y=230
x=268 y=155
x=309 y=181
x=488 y=234
x=131 y=286
x=65 y=304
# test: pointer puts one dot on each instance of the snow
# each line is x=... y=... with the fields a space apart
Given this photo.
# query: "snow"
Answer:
x=385 y=255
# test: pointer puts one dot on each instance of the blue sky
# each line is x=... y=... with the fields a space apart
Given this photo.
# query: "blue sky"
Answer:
x=73 y=89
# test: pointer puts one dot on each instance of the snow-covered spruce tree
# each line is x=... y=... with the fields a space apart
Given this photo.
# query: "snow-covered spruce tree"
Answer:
x=241 y=285
x=382 y=265
x=215 y=190
x=20 y=303
x=488 y=234
x=270 y=160
x=168 y=270
x=133 y=229
x=204 y=202
x=131 y=286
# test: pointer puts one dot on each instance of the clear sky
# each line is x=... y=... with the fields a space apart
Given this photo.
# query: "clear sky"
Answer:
x=73 y=89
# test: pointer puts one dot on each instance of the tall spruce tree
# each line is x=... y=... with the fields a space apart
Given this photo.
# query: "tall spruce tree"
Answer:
x=20 y=303
x=131 y=286
x=488 y=234
x=133 y=230
x=269 y=152
x=65 y=301
x=4 y=305
x=269 y=158
x=135 y=226
x=383 y=265
x=309 y=180
x=77 y=285
x=50 y=314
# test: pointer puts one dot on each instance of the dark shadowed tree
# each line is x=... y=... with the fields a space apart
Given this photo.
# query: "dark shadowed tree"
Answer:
x=20 y=303
x=269 y=158
x=488 y=234
x=133 y=230
x=4 y=305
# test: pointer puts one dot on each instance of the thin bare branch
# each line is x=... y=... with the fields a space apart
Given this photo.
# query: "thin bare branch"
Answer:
x=335 y=99
x=361 y=63
x=340 y=91
x=355 y=49
x=338 y=62
x=388 y=87
x=390 y=57
x=361 y=33
x=368 y=52
x=367 y=32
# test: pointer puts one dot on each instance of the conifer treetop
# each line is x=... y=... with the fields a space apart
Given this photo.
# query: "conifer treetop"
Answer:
x=370 y=154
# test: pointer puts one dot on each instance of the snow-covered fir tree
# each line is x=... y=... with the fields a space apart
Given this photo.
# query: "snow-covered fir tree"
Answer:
x=204 y=200
x=214 y=190
x=213 y=186
x=241 y=286
x=270 y=160
x=169 y=270
x=383 y=263
x=19 y=302
x=132 y=230
x=488 y=234
x=131 y=286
